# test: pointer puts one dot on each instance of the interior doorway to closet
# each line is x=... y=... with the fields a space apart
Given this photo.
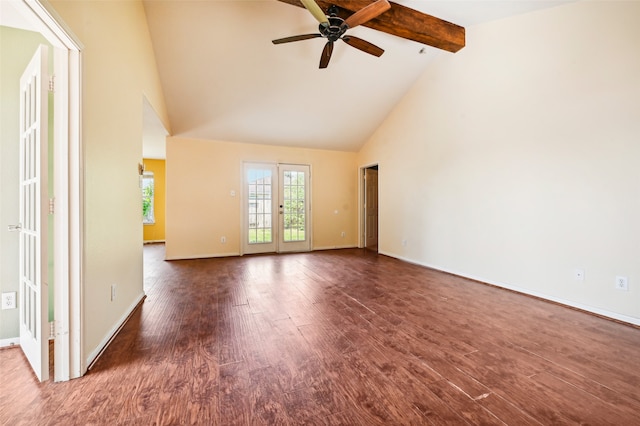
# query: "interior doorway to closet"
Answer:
x=370 y=207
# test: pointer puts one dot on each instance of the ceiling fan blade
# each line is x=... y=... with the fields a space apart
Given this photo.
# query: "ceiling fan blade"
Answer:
x=363 y=45
x=315 y=10
x=326 y=54
x=295 y=38
x=367 y=13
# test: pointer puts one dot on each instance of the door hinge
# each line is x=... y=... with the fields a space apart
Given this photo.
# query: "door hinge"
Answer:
x=52 y=205
x=52 y=83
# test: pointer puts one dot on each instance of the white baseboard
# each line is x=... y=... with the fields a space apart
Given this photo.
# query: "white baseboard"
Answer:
x=348 y=246
x=203 y=256
x=93 y=356
x=594 y=310
x=13 y=341
x=232 y=254
x=153 y=241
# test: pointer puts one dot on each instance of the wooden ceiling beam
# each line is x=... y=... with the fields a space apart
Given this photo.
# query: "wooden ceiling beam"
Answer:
x=404 y=22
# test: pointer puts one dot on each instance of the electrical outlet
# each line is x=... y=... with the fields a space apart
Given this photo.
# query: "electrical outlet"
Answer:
x=113 y=292
x=223 y=240
x=9 y=300
x=343 y=234
x=579 y=274
x=404 y=243
x=622 y=283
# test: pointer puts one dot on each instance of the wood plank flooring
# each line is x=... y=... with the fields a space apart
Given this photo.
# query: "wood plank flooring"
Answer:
x=341 y=337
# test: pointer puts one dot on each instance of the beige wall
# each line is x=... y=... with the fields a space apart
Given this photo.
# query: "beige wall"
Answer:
x=200 y=209
x=118 y=71
x=516 y=160
x=513 y=161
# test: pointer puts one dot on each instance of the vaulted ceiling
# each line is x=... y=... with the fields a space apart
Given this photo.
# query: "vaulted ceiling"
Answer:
x=223 y=79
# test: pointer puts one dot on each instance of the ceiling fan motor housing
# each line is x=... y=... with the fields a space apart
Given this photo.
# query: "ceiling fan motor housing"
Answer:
x=334 y=30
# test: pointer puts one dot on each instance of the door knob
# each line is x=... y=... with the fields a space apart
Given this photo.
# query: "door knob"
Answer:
x=13 y=228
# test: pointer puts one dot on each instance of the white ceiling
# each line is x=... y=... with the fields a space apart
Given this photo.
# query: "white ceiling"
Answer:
x=223 y=79
x=154 y=134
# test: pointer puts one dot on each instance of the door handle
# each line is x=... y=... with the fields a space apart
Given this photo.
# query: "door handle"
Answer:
x=14 y=228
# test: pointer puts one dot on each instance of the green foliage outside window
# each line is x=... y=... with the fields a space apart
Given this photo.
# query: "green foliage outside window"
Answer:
x=294 y=206
x=147 y=200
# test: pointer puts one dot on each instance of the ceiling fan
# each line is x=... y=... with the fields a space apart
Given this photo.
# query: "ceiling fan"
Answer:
x=334 y=28
x=400 y=21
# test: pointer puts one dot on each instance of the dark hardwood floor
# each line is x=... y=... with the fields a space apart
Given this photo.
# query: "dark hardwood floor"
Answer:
x=338 y=337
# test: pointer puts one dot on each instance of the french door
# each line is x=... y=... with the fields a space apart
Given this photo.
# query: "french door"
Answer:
x=276 y=212
x=293 y=214
x=34 y=316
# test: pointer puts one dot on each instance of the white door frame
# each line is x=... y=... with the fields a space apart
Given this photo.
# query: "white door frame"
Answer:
x=68 y=186
x=276 y=211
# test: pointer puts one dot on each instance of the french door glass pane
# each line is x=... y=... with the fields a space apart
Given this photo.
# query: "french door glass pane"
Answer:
x=260 y=206
x=294 y=207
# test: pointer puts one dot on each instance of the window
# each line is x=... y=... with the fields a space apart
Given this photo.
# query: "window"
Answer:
x=294 y=208
x=259 y=181
x=148 y=217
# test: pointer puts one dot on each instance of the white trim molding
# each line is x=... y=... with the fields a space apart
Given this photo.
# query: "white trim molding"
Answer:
x=586 y=308
x=113 y=332
x=6 y=343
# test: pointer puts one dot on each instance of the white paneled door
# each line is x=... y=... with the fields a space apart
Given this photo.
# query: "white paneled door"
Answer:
x=276 y=208
x=33 y=301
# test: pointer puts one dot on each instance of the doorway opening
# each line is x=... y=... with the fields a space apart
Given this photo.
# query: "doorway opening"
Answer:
x=369 y=207
x=276 y=208
x=39 y=17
